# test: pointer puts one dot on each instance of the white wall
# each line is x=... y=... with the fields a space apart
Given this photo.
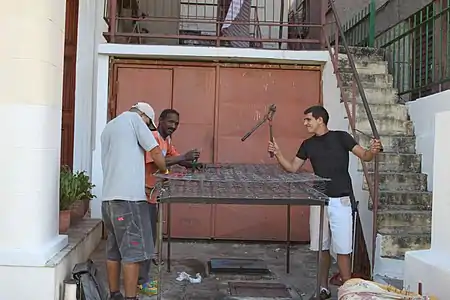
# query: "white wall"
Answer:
x=91 y=26
x=422 y=112
x=432 y=267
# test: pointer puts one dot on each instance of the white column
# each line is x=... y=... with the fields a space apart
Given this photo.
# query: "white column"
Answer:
x=101 y=114
x=84 y=88
x=31 y=67
x=432 y=267
x=90 y=34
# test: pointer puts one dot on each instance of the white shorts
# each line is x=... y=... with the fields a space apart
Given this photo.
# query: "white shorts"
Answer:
x=338 y=226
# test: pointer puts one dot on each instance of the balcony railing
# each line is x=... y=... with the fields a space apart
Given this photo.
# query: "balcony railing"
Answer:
x=269 y=24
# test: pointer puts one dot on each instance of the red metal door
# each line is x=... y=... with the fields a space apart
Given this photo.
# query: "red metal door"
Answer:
x=217 y=106
x=244 y=95
x=140 y=83
x=193 y=98
x=69 y=81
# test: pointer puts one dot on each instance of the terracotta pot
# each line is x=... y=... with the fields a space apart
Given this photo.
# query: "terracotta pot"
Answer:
x=76 y=211
x=64 y=221
x=87 y=203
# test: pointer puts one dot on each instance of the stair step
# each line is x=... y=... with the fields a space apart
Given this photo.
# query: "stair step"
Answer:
x=394 y=111
x=386 y=126
x=395 y=245
x=396 y=162
x=380 y=95
x=363 y=52
x=368 y=80
x=403 y=200
x=404 y=221
x=391 y=143
x=363 y=66
x=400 y=181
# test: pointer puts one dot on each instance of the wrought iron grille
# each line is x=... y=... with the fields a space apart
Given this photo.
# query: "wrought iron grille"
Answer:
x=242 y=181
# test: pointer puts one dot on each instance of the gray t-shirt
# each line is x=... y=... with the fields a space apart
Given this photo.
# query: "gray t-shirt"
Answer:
x=124 y=142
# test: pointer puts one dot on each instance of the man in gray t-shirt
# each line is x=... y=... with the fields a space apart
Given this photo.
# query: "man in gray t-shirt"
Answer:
x=125 y=212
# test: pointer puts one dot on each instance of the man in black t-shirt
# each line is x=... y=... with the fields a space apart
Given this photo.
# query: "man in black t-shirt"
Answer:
x=328 y=152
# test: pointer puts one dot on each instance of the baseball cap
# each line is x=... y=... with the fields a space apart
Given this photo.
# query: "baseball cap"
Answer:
x=147 y=110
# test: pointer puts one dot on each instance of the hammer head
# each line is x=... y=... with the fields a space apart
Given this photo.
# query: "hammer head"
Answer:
x=272 y=108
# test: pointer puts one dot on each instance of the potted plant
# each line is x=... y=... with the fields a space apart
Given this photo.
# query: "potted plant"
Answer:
x=65 y=199
x=75 y=191
x=86 y=187
x=83 y=187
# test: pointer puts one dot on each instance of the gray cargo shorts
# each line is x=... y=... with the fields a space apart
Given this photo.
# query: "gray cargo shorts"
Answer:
x=129 y=231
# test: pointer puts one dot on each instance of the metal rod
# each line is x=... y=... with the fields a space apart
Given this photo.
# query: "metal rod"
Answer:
x=169 y=233
x=280 y=32
x=288 y=239
x=356 y=77
x=248 y=134
x=160 y=249
x=376 y=183
x=268 y=117
x=319 y=254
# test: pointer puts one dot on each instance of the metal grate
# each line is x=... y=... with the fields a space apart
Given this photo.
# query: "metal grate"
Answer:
x=241 y=173
x=242 y=182
x=253 y=289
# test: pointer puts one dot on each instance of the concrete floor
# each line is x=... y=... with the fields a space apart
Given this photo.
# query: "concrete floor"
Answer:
x=192 y=258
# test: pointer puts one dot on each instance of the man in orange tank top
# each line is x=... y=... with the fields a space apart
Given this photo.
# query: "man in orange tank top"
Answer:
x=168 y=124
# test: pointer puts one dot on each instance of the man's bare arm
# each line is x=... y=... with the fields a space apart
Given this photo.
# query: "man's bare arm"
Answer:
x=290 y=166
x=363 y=154
x=175 y=160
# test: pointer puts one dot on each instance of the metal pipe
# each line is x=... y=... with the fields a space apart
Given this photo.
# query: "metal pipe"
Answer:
x=113 y=23
x=355 y=72
x=280 y=32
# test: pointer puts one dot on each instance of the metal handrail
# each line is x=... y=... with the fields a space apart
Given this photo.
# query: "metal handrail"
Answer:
x=375 y=190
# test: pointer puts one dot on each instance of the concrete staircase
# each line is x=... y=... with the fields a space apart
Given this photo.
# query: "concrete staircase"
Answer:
x=404 y=215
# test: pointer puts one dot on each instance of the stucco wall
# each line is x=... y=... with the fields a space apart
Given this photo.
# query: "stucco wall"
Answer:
x=422 y=112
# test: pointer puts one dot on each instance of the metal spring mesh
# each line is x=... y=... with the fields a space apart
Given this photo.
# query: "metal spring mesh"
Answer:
x=241 y=181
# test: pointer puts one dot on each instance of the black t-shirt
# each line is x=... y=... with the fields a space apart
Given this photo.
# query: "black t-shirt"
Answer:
x=329 y=156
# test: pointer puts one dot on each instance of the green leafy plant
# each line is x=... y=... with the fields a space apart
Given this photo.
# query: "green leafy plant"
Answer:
x=73 y=187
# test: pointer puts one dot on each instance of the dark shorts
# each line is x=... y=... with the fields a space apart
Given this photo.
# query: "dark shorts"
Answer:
x=129 y=231
x=153 y=219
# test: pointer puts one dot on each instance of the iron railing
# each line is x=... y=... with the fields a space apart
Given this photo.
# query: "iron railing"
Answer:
x=360 y=29
x=229 y=23
x=417 y=47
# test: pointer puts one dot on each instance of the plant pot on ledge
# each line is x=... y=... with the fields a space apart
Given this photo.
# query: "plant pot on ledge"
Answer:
x=87 y=203
x=76 y=211
x=74 y=188
x=64 y=221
